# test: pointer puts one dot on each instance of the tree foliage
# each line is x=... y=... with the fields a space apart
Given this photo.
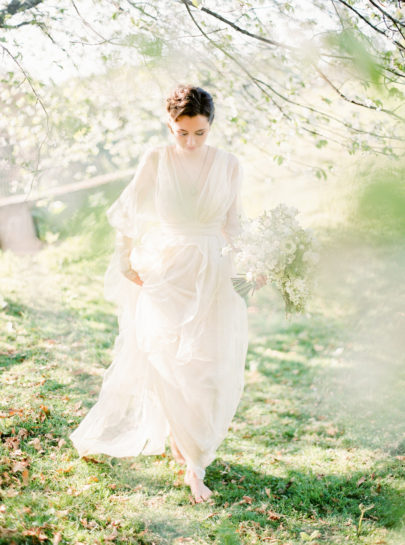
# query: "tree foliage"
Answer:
x=331 y=72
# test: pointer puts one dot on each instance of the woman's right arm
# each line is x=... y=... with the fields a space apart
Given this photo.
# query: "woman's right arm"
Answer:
x=124 y=246
x=134 y=211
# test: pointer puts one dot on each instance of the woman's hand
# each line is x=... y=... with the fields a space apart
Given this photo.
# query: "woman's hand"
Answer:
x=261 y=280
x=133 y=276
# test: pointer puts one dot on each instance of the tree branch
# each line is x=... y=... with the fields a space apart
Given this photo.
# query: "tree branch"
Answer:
x=352 y=101
x=16 y=6
x=388 y=15
x=27 y=77
x=189 y=3
x=363 y=18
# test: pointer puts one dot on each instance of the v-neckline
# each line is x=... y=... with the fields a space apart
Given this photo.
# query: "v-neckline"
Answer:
x=200 y=190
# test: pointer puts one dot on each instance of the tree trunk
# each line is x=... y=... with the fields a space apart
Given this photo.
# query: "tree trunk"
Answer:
x=17 y=230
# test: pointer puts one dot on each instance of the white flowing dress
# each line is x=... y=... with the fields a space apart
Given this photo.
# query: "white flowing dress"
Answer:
x=179 y=357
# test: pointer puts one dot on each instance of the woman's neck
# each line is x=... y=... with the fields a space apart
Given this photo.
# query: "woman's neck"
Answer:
x=196 y=152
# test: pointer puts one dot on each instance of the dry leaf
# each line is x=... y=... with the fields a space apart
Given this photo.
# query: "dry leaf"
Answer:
x=36 y=443
x=20 y=466
x=73 y=492
x=246 y=499
x=90 y=459
x=36 y=532
x=57 y=538
x=12 y=443
x=12 y=412
x=10 y=492
x=22 y=433
x=25 y=477
x=273 y=516
x=267 y=490
x=361 y=480
x=64 y=469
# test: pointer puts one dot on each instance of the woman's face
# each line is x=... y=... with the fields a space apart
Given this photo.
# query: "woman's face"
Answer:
x=189 y=132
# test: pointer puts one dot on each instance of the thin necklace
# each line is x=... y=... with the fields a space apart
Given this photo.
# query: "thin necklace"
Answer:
x=194 y=184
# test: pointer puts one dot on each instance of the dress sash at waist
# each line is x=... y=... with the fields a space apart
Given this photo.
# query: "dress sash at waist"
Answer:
x=193 y=229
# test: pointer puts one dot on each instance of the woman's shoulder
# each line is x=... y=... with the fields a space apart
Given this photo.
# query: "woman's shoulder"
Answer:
x=230 y=157
x=151 y=155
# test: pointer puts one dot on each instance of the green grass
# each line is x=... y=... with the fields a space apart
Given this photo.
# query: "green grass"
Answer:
x=315 y=440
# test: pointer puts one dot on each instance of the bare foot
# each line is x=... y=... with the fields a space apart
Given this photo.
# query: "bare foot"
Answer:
x=198 y=488
x=177 y=455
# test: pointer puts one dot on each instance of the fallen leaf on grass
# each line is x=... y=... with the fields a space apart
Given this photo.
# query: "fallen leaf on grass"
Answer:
x=271 y=515
x=22 y=433
x=64 y=469
x=36 y=443
x=361 y=481
x=25 y=477
x=12 y=443
x=62 y=513
x=20 y=465
x=3 y=508
x=12 y=412
x=91 y=459
x=89 y=525
x=117 y=497
x=44 y=412
x=57 y=538
x=10 y=493
x=73 y=492
x=213 y=514
x=36 y=532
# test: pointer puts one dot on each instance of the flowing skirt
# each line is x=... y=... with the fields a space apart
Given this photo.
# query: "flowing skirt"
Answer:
x=179 y=357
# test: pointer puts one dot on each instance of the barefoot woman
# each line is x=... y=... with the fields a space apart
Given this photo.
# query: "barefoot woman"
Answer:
x=180 y=354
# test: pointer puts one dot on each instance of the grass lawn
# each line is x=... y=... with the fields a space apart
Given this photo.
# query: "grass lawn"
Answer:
x=314 y=455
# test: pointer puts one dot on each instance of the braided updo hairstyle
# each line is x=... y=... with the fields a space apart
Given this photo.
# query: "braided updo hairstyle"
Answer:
x=190 y=100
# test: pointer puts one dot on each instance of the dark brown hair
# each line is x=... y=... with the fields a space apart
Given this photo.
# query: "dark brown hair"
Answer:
x=190 y=100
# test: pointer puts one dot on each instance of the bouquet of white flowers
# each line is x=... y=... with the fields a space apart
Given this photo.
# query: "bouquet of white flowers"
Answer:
x=275 y=245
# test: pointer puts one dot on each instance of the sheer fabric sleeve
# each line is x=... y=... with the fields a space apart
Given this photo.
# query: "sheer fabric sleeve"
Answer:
x=132 y=215
x=134 y=212
x=232 y=226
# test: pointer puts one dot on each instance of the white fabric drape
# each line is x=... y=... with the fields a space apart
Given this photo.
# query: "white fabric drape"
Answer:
x=180 y=354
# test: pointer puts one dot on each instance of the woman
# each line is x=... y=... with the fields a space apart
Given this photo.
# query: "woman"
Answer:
x=179 y=357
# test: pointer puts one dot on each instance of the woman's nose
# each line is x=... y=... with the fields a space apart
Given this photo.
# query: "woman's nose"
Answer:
x=190 y=140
